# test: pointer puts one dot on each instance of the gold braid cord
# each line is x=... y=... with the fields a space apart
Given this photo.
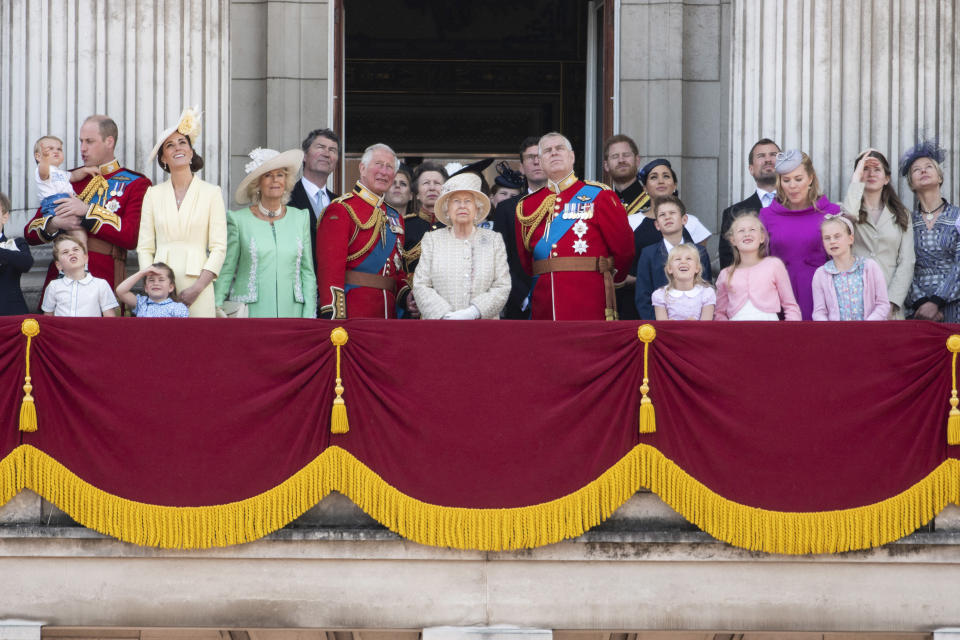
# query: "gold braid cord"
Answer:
x=376 y=222
x=97 y=186
x=532 y=221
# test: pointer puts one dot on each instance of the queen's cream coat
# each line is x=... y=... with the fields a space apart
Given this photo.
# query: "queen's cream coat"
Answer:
x=453 y=274
x=189 y=239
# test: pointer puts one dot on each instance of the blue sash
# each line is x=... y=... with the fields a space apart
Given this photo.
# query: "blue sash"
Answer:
x=560 y=226
x=380 y=252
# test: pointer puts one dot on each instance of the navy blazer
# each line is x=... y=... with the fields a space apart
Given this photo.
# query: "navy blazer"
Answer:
x=299 y=199
x=13 y=264
x=651 y=276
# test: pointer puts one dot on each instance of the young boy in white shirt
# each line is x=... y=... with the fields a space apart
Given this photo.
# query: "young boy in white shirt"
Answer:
x=77 y=294
x=53 y=183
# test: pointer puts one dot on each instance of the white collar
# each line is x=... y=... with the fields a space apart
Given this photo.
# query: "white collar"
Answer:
x=669 y=246
x=87 y=279
x=310 y=188
x=692 y=293
x=762 y=192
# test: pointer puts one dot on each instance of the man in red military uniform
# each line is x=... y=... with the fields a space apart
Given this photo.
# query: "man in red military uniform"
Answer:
x=360 y=271
x=574 y=239
x=107 y=206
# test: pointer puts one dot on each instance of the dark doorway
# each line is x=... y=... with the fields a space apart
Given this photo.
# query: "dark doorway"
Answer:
x=437 y=77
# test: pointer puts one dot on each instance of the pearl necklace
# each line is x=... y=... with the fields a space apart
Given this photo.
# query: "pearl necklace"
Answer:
x=268 y=212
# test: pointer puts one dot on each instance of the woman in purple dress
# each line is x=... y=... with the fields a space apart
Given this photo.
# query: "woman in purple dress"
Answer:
x=793 y=223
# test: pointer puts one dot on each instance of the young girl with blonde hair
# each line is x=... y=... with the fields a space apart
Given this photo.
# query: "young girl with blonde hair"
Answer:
x=847 y=287
x=686 y=296
x=756 y=286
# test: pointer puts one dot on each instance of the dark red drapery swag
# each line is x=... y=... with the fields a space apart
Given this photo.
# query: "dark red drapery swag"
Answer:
x=482 y=434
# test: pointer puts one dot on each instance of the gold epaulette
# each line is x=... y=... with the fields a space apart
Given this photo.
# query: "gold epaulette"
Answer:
x=597 y=184
x=342 y=198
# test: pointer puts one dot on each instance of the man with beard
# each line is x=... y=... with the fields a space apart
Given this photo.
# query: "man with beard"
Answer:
x=620 y=156
x=760 y=163
x=504 y=222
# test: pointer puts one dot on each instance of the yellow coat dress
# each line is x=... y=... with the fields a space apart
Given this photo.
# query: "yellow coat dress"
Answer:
x=189 y=239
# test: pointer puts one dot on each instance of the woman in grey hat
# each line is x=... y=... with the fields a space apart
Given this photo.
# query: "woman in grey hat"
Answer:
x=793 y=223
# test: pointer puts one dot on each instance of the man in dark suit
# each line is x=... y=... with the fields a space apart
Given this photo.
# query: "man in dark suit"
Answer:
x=760 y=163
x=321 y=150
x=504 y=222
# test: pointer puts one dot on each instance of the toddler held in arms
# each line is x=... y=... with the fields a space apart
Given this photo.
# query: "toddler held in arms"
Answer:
x=686 y=296
x=756 y=286
x=847 y=287
x=160 y=287
x=53 y=183
x=77 y=294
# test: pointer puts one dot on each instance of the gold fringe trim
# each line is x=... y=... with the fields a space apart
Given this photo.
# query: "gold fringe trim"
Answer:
x=800 y=532
x=150 y=525
x=481 y=529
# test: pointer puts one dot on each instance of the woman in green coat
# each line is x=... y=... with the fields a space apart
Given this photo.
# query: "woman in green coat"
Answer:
x=268 y=268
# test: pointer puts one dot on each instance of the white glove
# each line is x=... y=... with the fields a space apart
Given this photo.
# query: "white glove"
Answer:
x=470 y=313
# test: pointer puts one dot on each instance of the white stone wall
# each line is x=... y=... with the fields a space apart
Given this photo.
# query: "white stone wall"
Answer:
x=279 y=76
x=833 y=78
x=673 y=95
x=140 y=62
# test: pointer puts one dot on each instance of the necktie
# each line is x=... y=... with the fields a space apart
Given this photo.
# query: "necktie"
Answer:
x=767 y=199
x=320 y=206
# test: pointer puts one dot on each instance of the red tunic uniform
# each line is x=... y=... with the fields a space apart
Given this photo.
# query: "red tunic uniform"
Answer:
x=598 y=227
x=112 y=222
x=360 y=270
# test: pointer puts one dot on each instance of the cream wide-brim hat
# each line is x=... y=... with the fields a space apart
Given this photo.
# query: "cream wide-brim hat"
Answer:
x=188 y=124
x=469 y=182
x=263 y=161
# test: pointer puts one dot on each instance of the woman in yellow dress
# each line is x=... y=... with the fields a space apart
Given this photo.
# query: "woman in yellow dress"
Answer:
x=183 y=220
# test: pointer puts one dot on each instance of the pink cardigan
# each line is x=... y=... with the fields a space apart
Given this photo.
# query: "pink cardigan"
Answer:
x=876 y=305
x=765 y=284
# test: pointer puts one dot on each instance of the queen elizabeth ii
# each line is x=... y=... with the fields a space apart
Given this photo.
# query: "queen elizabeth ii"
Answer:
x=463 y=272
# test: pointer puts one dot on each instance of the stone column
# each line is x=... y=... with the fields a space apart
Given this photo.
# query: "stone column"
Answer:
x=833 y=78
x=278 y=89
x=140 y=63
x=673 y=92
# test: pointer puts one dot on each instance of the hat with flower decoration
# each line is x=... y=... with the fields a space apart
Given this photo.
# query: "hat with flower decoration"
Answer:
x=188 y=124
x=263 y=161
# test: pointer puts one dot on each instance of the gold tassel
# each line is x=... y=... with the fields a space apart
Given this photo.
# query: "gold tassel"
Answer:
x=648 y=418
x=28 y=410
x=953 y=422
x=338 y=417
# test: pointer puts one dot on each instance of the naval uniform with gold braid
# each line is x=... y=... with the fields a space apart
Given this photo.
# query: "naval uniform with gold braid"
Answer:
x=360 y=271
x=573 y=237
x=112 y=221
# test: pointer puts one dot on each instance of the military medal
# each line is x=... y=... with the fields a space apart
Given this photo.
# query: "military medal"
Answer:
x=112 y=206
x=580 y=245
x=396 y=261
